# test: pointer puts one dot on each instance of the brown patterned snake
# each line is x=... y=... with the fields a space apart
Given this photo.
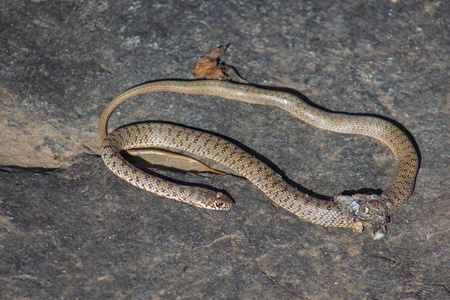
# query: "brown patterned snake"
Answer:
x=354 y=211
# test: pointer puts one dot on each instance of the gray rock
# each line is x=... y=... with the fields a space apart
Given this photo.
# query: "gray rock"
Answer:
x=71 y=229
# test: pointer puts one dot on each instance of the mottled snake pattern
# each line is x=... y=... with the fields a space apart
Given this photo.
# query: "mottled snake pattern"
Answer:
x=355 y=211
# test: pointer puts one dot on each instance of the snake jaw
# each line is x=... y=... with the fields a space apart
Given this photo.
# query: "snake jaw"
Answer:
x=219 y=201
x=366 y=211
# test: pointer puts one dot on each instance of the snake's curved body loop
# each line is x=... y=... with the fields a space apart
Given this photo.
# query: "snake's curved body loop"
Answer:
x=345 y=211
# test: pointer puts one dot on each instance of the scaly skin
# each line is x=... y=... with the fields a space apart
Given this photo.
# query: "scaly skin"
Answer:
x=345 y=211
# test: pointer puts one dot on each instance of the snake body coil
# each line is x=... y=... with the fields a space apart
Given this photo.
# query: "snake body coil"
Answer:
x=354 y=211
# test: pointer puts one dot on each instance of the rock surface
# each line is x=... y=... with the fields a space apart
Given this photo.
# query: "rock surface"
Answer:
x=69 y=228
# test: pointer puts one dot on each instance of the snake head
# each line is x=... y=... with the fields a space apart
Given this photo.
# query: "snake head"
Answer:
x=216 y=201
x=366 y=211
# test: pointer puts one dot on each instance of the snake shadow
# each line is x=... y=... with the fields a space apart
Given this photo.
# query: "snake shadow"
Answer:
x=149 y=167
x=396 y=123
x=145 y=165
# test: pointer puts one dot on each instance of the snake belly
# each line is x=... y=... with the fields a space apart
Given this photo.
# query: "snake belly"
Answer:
x=354 y=211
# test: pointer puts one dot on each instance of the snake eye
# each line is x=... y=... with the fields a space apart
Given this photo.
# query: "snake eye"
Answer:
x=219 y=204
x=366 y=209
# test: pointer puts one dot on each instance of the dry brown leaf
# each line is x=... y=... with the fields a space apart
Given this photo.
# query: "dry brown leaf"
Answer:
x=207 y=66
x=210 y=67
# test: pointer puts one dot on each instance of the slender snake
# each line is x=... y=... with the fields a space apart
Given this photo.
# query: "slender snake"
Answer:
x=355 y=211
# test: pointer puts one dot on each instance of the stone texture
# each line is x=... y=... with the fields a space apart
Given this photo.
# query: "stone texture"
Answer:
x=70 y=229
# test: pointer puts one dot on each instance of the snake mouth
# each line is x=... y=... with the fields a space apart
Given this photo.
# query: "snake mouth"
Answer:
x=223 y=202
x=366 y=211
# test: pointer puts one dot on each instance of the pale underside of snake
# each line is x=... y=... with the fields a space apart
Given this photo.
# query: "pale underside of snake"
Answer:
x=355 y=211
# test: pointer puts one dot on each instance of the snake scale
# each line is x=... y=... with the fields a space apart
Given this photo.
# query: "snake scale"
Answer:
x=355 y=211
